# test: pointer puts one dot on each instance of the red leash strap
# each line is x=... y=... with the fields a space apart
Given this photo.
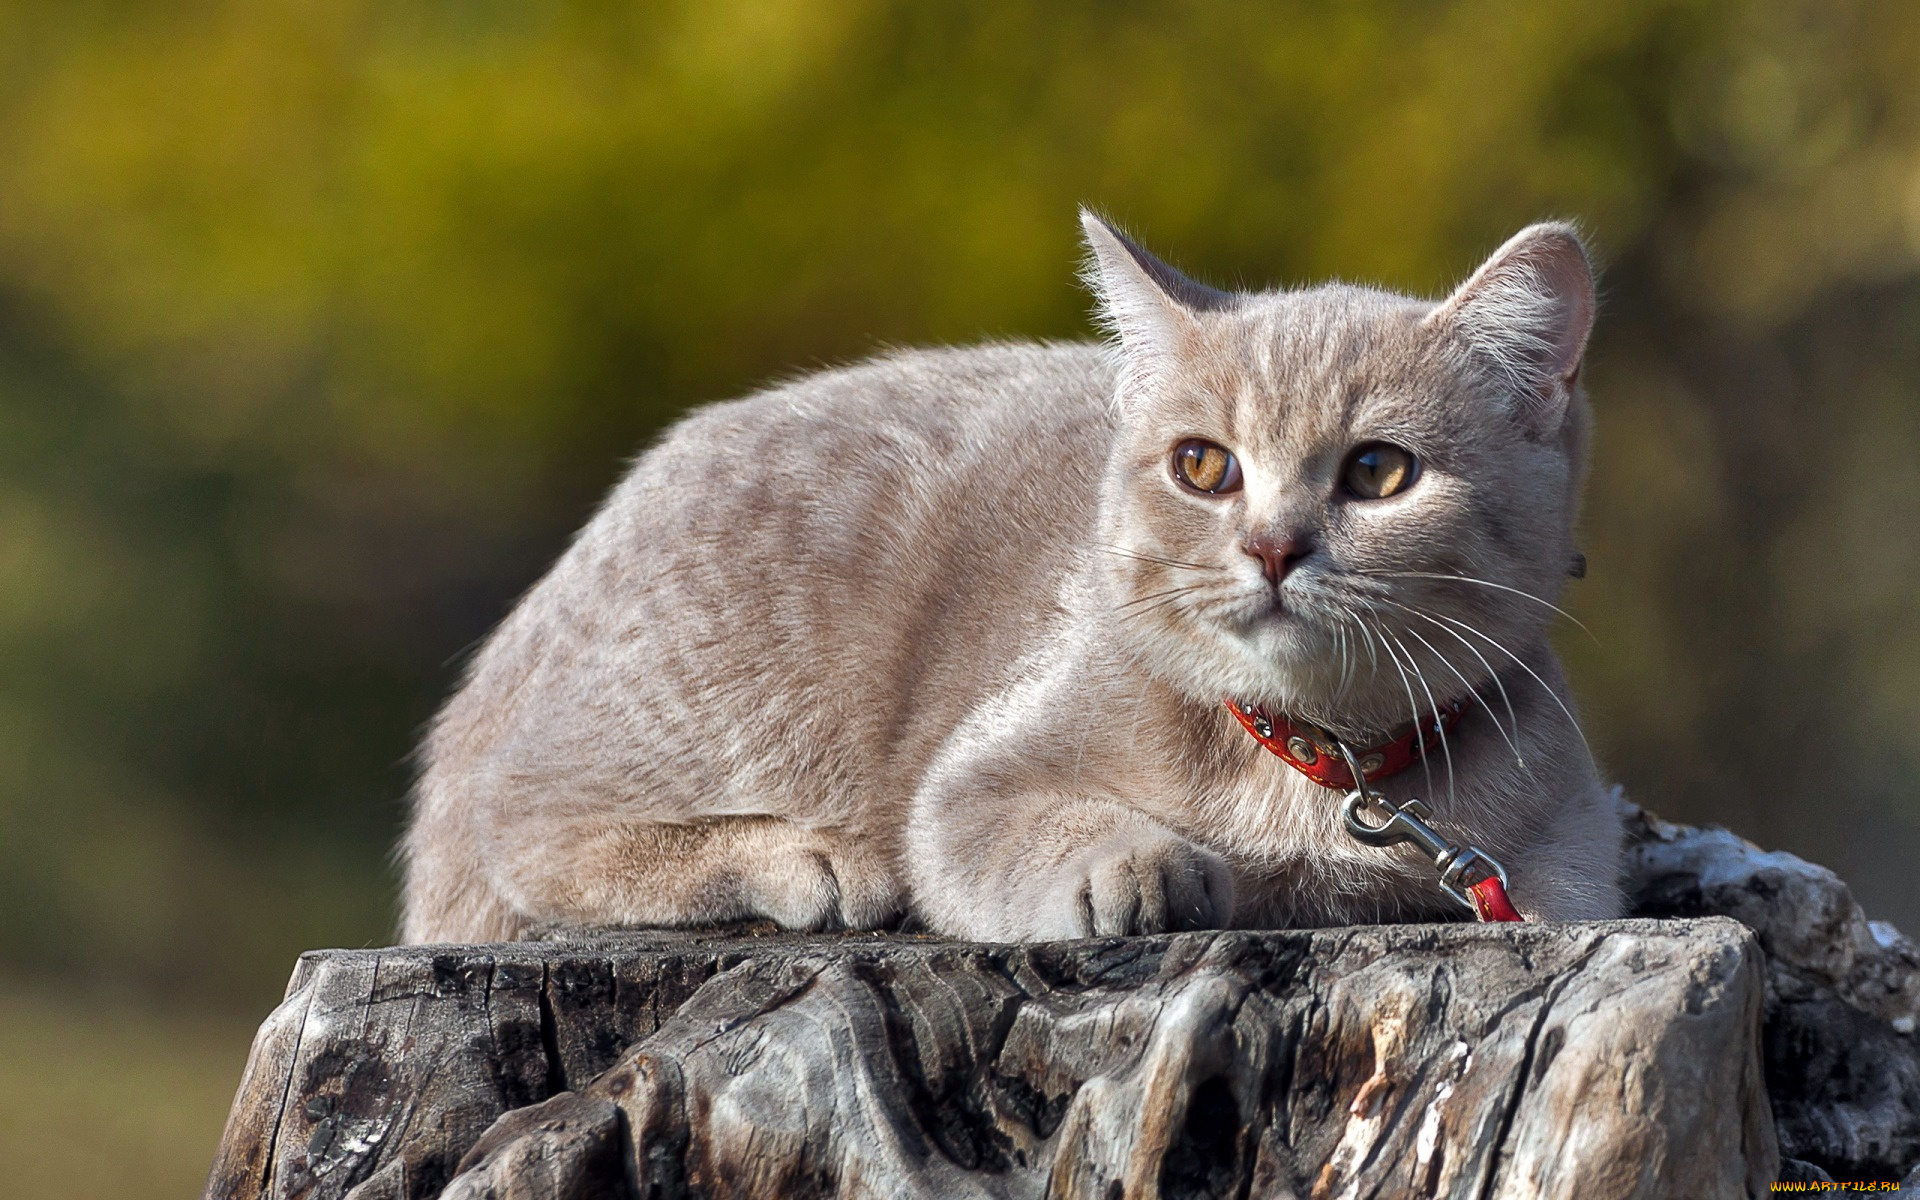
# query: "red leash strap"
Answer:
x=1490 y=901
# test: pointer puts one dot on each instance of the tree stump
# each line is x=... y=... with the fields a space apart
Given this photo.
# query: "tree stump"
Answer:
x=1613 y=1059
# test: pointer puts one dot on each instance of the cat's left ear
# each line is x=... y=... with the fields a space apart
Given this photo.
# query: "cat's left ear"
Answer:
x=1148 y=304
x=1526 y=314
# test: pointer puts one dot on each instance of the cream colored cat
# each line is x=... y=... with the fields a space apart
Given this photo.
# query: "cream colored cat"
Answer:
x=947 y=633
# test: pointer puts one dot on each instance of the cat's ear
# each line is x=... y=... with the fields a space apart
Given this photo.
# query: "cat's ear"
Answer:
x=1526 y=314
x=1147 y=304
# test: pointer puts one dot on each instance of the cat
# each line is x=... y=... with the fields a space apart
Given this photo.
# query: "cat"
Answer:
x=945 y=636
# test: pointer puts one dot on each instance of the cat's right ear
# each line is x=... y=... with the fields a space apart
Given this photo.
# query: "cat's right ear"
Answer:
x=1526 y=314
x=1146 y=304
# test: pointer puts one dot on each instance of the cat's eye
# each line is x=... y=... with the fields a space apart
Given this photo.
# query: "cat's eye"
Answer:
x=1380 y=469
x=1206 y=467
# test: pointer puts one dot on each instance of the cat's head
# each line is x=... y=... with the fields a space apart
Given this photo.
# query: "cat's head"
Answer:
x=1329 y=499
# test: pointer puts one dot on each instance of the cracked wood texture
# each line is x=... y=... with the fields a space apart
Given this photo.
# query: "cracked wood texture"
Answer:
x=1607 y=1060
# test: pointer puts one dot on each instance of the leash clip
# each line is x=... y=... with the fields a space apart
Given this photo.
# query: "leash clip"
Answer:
x=1466 y=872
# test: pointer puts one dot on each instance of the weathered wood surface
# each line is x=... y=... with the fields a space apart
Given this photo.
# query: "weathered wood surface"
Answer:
x=1604 y=1060
x=1618 y=1059
x=1843 y=995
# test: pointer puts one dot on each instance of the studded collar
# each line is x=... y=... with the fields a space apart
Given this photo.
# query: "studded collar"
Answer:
x=1311 y=750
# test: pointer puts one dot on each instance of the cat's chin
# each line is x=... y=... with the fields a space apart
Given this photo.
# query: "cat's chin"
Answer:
x=1291 y=666
x=1286 y=644
x=1279 y=663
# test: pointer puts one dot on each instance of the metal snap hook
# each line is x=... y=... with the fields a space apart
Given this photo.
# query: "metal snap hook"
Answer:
x=1460 y=867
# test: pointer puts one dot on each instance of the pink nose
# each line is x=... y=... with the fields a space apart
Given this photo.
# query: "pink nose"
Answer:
x=1277 y=554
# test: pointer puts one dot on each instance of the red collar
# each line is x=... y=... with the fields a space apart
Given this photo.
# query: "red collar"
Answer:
x=1467 y=873
x=1310 y=750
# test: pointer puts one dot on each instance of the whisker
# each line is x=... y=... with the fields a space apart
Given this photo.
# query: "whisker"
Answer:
x=1157 y=606
x=1463 y=679
x=1373 y=659
x=1553 y=695
x=1499 y=685
x=1373 y=652
x=1346 y=663
x=1350 y=626
x=1172 y=591
x=1490 y=583
x=1446 y=746
x=1171 y=598
x=1137 y=556
x=1413 y=708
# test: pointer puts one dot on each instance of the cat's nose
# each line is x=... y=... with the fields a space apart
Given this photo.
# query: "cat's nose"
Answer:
x=1277 y=553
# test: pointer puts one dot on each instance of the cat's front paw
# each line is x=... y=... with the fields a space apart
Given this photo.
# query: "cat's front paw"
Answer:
x=1138 y=882
x=814 y=880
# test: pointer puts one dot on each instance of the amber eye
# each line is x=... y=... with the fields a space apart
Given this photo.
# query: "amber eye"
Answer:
x=1206 y=467
x=1379 y=469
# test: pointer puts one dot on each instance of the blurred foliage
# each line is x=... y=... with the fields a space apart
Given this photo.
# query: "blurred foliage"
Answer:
x=102 y=1101
x=323 y=324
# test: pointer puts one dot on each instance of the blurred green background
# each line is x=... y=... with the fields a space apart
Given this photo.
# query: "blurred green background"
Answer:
x=323 y=324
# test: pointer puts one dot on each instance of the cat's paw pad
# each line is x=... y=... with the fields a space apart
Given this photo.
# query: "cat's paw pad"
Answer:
x=1146 y=883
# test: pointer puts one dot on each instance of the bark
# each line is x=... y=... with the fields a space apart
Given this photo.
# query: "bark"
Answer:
x=1615 y=1059
x=1843 y=995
